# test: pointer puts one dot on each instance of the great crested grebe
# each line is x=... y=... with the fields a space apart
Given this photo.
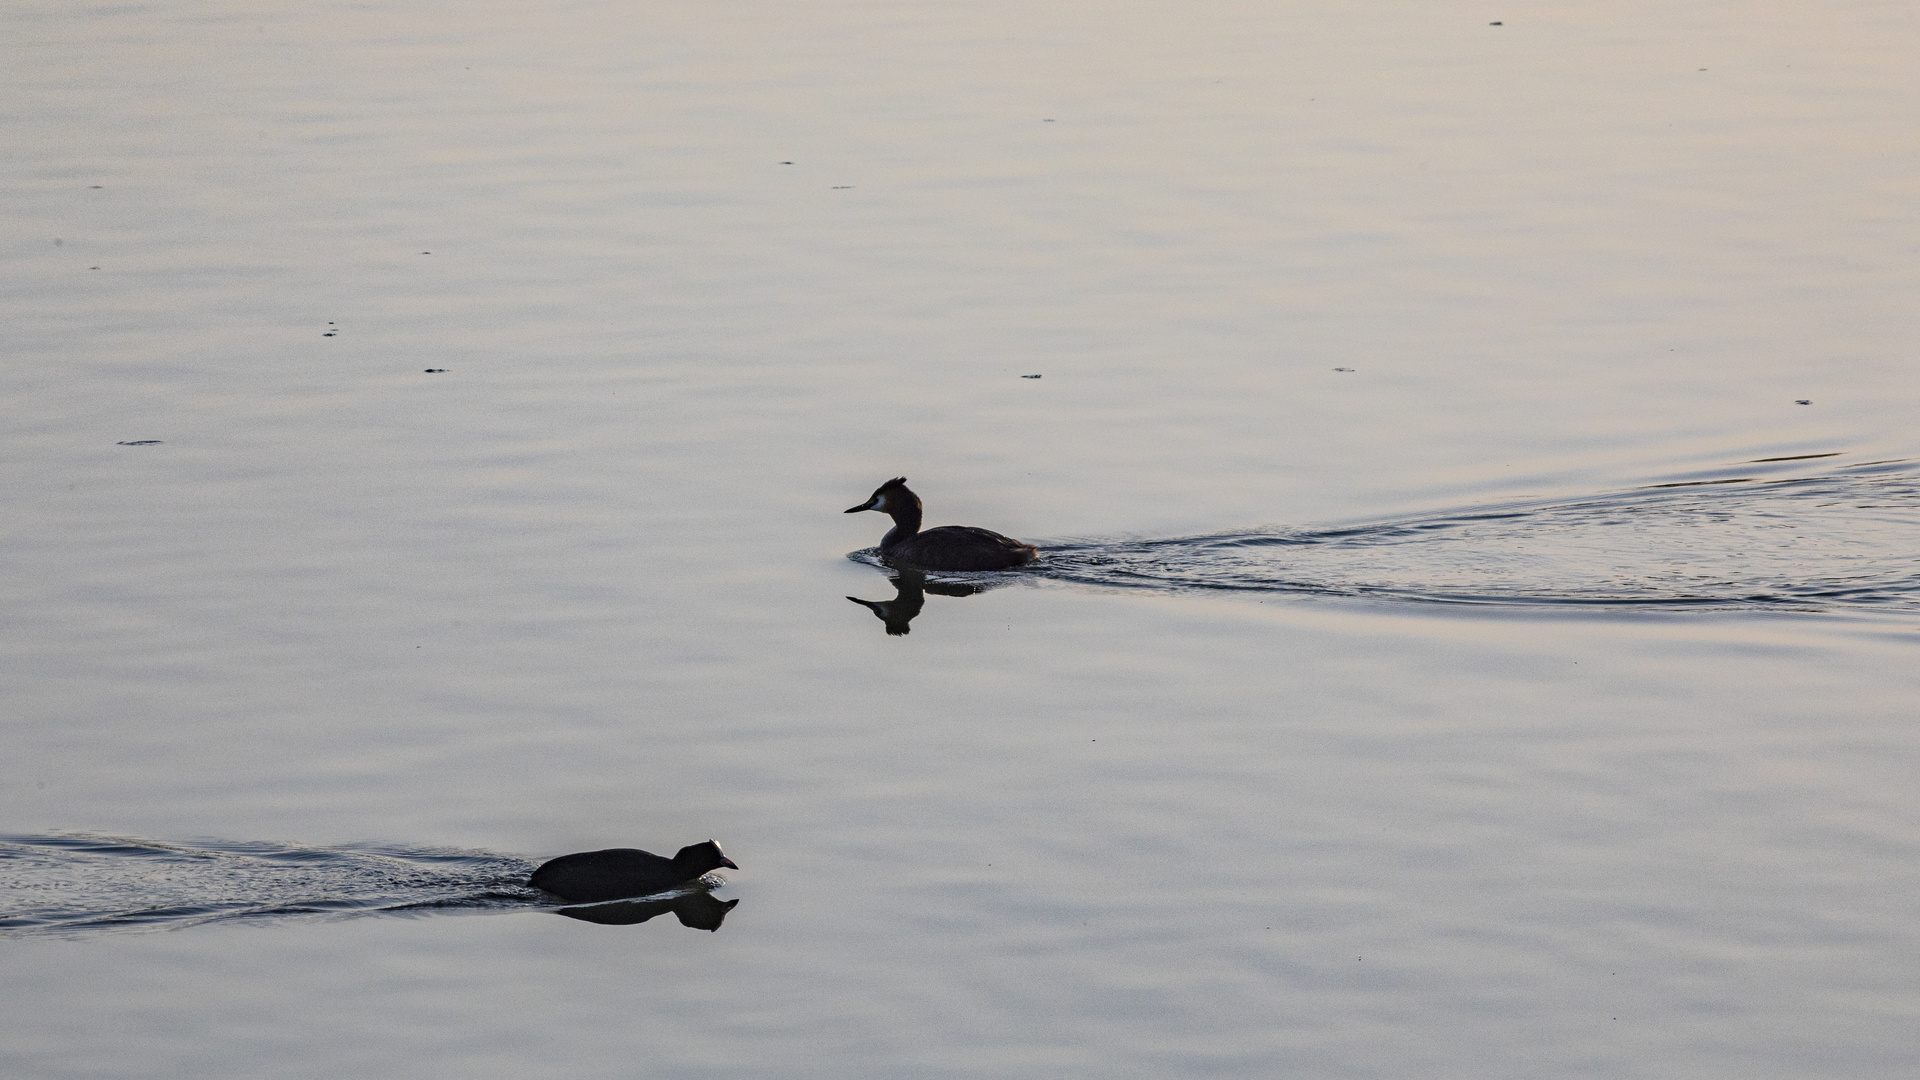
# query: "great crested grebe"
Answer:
x=949 y=547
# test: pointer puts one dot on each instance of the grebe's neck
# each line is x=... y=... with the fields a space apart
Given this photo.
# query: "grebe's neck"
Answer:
x=906 y=521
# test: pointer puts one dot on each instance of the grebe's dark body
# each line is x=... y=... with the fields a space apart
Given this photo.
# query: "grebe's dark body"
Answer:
x=589 y=877
x=949 y=547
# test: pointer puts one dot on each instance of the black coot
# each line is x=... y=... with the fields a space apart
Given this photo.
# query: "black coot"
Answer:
x=589 y=877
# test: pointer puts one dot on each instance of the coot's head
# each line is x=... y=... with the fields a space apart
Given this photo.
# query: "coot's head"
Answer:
x=697 y=859
x=889 y=497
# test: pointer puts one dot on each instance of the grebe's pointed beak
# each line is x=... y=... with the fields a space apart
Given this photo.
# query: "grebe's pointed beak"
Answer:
x=868 y=505
x=729 y=863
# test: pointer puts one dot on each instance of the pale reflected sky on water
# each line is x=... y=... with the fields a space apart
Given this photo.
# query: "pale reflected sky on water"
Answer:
x=510 y=368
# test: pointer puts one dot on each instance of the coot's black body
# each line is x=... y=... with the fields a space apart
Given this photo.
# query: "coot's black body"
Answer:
x=949 y=547
x=590 y=877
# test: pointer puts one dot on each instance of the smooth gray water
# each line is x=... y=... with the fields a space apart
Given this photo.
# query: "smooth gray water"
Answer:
x=1475 y=465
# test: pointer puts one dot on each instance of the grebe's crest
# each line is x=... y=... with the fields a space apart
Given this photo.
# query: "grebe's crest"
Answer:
x=887 y=494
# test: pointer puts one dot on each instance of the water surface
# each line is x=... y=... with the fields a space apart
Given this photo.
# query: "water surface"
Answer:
x=1475 y=463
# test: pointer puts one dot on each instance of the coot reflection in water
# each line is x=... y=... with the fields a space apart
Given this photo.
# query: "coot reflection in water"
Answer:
x=911 y=588
x=697 y=909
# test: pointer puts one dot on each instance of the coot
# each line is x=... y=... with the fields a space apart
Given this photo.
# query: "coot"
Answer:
x=589 y=877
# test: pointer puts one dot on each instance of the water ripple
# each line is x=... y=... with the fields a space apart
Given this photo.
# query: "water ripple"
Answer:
x=1762 y=534
x=65 y=885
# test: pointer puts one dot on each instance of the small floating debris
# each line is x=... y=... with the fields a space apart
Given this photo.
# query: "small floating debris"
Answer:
x=140 y=442
x=1343 y=369
x=843 y=187
x=436 y=371
x=1029 y=376
x=1803 y=401
x=1496 y=24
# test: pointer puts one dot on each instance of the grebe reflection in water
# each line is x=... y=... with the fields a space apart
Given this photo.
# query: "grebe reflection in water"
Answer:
x=911 y=588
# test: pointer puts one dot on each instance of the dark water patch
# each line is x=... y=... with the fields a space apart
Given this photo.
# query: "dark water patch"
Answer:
x=1756 y=535
x=65 y=885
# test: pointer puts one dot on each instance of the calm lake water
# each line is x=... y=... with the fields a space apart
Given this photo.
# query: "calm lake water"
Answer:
x=1473 y=448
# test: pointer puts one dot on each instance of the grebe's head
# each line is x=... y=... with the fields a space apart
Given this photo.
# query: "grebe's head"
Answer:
x=889 y=497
